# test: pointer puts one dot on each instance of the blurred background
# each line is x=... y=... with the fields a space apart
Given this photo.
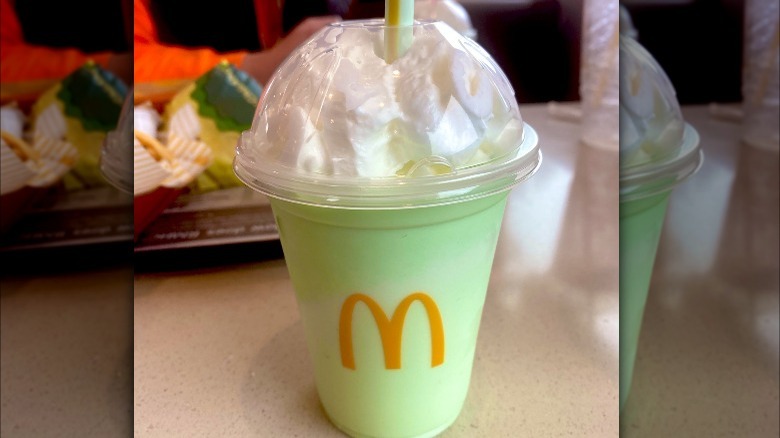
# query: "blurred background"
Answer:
x=536 y=42
x=698 y=43
x=709 y=350
x=66 y=282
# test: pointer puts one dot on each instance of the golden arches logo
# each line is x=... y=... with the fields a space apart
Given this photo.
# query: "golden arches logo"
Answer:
x=390 y=330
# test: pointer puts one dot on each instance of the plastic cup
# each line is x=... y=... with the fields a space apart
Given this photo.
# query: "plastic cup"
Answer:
x=390 y=272
x=116 y=159
x=640 y=229
x=424 y=269
x=641 y=223
x=667 y=154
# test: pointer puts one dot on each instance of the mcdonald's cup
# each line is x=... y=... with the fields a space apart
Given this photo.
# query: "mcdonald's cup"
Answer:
x=388 y=181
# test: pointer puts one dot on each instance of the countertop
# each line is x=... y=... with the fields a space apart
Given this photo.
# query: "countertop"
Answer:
x=66 y=351
x=707 y=361
x=221 y=351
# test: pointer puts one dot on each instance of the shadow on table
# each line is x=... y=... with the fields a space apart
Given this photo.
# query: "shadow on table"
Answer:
x=279 y=396
x=56 y=261
x=206 y=257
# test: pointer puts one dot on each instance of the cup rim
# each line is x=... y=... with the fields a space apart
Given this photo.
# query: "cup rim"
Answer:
x=393 y=192
x=655 y=177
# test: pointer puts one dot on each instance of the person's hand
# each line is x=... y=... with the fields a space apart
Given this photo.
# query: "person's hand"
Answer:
x=302 y=32
x=261 y=65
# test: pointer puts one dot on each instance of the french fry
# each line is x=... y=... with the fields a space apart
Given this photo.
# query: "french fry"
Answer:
x=20 y=147
x=155 y=148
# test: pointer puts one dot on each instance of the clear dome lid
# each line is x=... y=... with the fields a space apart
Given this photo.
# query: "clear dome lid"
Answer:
x=339 y=125
x=658 y=149
x=116 y=157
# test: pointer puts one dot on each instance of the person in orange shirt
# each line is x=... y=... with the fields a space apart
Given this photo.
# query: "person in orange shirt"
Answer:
x=42 y=42
x=29 y=68
x=156 y=59
x=47 y=59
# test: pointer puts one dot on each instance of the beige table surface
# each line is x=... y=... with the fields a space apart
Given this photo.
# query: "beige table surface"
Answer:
x=707 y=362
x=65 y=353
x=221 y=352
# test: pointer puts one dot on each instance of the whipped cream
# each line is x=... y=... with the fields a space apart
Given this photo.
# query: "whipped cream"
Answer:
x=651 y=123
x=349 y=112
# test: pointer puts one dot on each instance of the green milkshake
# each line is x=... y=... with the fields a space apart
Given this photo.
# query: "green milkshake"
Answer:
x=388 y=182
x=658 y=150
x=438 y=256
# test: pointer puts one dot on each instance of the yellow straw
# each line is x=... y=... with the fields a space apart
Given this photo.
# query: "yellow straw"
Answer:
x=399 y=16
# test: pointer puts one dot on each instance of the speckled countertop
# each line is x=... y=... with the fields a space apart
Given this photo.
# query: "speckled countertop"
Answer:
x=67 y=346
x=220 y=351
